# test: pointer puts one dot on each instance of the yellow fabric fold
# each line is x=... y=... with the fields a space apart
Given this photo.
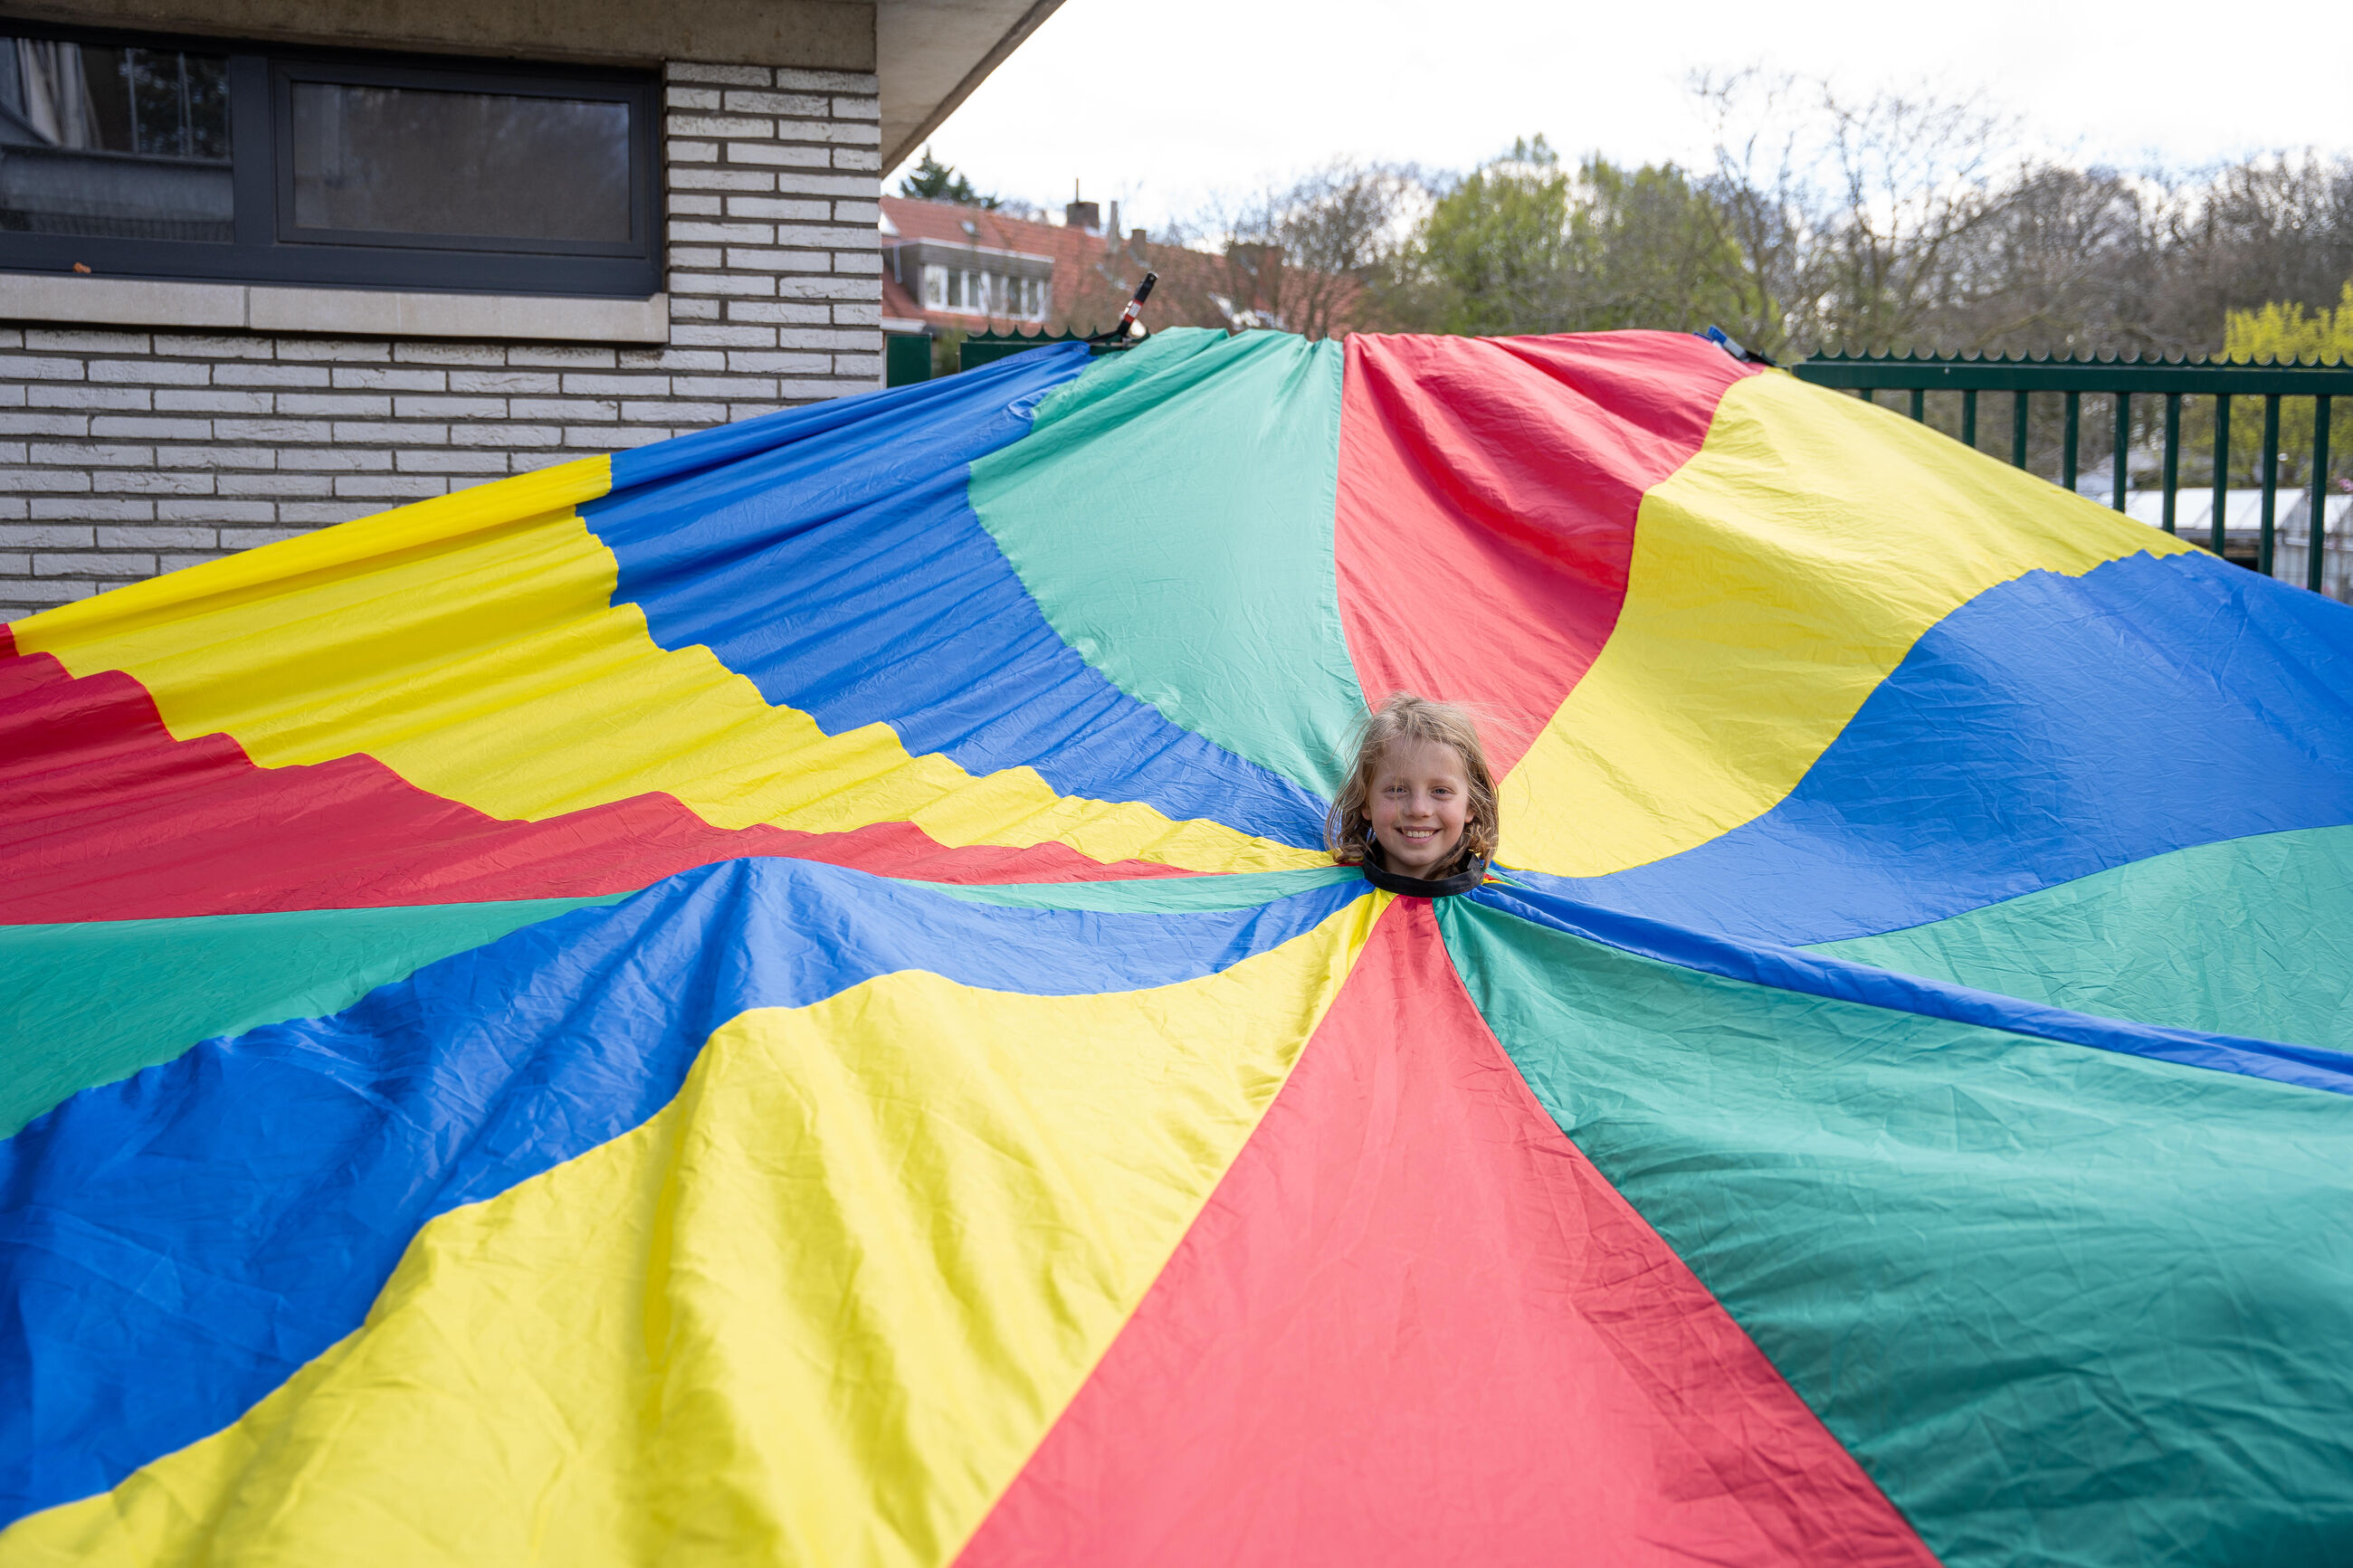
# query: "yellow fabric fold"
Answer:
x=820 y=1309
x=1777 y=578
x=475 y=649
x=270 y=571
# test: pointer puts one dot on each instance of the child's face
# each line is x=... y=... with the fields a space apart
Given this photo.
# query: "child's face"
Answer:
x=1418 y=797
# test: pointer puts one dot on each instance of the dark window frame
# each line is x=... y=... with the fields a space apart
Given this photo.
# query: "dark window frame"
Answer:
x=260 y=77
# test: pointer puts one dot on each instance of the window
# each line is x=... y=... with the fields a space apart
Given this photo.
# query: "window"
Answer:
x=978 y=290
x=114 y=141
x=369 y=161
x=166 y=158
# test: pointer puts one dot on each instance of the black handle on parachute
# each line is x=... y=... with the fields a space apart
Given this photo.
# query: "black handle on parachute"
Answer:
x=1129 y=330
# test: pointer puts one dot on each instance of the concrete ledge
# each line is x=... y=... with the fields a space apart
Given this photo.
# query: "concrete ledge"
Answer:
x=340 y=312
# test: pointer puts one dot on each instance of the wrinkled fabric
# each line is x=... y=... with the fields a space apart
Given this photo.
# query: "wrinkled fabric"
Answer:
x=777 y=997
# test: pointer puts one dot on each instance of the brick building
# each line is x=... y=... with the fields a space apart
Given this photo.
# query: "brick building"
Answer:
x=242 y=295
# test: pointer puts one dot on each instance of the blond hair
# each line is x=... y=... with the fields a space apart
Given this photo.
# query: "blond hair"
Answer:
x=1405 y=719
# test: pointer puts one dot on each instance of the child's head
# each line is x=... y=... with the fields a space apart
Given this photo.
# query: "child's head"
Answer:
x=1420 y=789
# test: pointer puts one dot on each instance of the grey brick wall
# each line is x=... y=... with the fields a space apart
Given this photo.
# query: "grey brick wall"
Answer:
x=126 y=453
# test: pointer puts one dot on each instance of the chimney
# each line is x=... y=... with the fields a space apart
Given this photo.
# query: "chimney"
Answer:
x=1081 y=214
x=1111 y=229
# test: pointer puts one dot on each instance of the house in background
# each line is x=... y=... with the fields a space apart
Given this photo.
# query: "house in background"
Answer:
x=950 y=272
x=268 y=265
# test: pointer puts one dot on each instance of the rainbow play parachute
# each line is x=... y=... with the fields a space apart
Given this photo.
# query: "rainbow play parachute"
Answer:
x=776 y=999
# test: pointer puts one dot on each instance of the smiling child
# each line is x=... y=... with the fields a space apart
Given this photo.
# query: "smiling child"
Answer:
x=1418 y=808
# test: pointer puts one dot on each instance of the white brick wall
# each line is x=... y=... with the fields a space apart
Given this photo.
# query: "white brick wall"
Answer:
x=125 y=453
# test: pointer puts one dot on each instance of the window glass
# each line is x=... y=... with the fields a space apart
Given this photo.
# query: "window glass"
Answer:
x=117 y=157
x=936 y=287
x=102 y=141
x=383 y=159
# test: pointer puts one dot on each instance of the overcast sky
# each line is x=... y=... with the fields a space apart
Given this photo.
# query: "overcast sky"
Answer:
x=1164 y=107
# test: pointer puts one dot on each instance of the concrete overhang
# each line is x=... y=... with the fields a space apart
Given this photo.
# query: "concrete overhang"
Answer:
x=932 y=54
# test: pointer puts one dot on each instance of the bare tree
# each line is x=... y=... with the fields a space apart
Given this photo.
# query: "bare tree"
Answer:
x=1901 y=222
x=1855 y=218
x=2052 y=270
x=1316 y=256
x=1904 y=220
x=2272 y=228
x=1766 y=197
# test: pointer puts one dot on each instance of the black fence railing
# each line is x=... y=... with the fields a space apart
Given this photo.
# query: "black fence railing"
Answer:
x=2145 y=402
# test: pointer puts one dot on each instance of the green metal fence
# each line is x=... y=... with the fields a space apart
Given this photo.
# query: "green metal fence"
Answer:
x=2161 y=385
x=987 y=349
x=908 y=359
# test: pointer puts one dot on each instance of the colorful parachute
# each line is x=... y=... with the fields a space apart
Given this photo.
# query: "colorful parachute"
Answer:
x=776 y=998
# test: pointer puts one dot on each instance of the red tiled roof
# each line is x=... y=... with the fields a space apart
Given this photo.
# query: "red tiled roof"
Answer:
x=1094 y=273
x=1086 y=264
x=945 y=221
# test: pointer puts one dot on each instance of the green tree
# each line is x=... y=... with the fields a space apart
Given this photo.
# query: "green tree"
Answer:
x=1496 y=248
x=1654 y=251
x=1524 y=245
x=933 y=181
x=2284 y=334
